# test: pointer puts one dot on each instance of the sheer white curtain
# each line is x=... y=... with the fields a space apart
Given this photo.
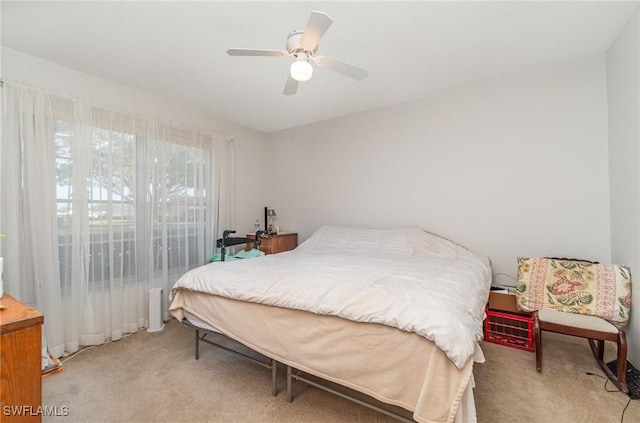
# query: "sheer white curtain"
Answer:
x=98 y=206
x=28 y=204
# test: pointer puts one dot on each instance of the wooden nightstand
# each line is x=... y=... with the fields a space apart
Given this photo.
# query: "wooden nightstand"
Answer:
x=20 y=326
x=273 y=244
x=501 y=301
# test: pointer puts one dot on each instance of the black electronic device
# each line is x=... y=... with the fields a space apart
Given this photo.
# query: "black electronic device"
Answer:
x=633 y=378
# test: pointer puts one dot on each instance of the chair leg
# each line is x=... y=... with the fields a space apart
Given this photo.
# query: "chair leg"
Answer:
x=622 y=362
x=600 y=349
x=537 y=339
x=619 y=379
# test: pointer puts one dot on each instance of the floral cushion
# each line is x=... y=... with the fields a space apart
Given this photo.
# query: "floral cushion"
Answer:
x=575 y=286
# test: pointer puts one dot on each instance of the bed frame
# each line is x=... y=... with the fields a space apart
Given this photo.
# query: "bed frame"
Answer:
x=264 y=361
x=292 y=373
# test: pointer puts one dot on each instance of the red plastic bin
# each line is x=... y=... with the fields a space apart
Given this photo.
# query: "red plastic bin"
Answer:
x=512 y=330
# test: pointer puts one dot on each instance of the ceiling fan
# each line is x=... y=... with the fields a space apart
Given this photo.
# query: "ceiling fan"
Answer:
x=303 y=45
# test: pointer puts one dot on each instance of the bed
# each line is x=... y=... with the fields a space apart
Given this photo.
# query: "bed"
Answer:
x=395 y=314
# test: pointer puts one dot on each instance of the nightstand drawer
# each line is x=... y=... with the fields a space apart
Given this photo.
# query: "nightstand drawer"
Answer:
x=273 y=244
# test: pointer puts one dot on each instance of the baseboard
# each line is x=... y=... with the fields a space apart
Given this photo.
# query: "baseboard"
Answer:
x=633 y=378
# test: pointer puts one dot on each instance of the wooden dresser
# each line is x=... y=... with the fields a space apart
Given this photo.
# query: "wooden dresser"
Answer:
x=20 y=350
x=273 y=244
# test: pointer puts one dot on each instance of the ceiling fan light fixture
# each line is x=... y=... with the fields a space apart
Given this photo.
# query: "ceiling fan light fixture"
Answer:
x=301 y=70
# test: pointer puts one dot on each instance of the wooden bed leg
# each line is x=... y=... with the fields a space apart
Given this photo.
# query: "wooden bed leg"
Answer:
x=289 y=395
x=197 y=344
x=274 y=378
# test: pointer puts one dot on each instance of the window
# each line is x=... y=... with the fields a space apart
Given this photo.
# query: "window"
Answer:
x=136 y=198
x=102 y=205
x=177 y=177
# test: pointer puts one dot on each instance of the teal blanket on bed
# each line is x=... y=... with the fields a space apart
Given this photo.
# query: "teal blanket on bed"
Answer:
x=240 y=255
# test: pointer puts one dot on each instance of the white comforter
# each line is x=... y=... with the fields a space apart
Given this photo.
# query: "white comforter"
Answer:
x=405 y=278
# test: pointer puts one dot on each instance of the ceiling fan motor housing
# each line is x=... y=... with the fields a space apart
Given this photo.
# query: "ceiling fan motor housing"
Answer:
x=293 y=43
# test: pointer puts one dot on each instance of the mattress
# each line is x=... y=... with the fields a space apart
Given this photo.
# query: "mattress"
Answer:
x=405 y=278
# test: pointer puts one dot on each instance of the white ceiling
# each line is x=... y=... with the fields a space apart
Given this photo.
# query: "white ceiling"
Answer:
x=412 y=50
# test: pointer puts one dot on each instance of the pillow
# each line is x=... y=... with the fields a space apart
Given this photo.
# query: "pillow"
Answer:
x=575 y=286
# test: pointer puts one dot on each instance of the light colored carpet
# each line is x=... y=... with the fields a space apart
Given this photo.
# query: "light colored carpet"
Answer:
x=153 y=377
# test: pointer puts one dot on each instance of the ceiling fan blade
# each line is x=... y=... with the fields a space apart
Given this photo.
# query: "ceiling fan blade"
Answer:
x=342 y=68
x=291 y=87
x=251 y=52
x=318 y=24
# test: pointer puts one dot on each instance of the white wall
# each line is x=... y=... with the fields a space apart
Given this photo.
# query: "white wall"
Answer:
x=250 y=146
x=623 y=88
x=512 y=167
